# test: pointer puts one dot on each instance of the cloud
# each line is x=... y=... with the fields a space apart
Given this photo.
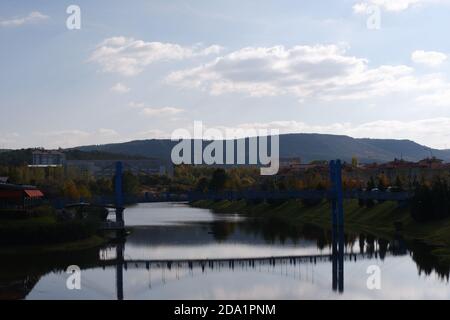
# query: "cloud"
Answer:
x=32 y=17
x=152 y=134
x=429 y=58
x=129 y=57
x=120 y=88
x=165 y=111
x=392 y=5
x=104 y=132
x=136 y=105
x=440 y=98
x=8 y=140
x=75 y=137
x=155 y=111
x=325 y=72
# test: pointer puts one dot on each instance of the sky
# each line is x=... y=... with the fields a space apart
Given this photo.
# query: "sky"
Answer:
x=363 y=68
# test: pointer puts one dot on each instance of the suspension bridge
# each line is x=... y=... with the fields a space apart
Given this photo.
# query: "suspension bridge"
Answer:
x=337 y=257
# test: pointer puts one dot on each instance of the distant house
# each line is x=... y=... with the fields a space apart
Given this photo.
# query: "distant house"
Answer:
x=432 y=163
x=107 y=168
x=4 y=179
x=289 y=162
x=19 y=196
x=48 y=158
x=398 y=164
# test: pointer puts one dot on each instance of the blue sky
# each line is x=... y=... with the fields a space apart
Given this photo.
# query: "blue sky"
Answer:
x=142 y=70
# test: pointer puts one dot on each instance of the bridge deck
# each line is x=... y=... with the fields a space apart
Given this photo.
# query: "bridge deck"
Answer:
x=300 y=194
x=206 y=261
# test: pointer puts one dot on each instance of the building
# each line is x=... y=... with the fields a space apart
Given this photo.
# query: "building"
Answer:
x=290 y=163
x=290 y=166
x=107 y=168
x=19 y=196
x=432 y=163
x=48 y=158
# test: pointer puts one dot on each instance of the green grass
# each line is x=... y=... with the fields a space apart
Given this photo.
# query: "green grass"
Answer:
x=378 y=220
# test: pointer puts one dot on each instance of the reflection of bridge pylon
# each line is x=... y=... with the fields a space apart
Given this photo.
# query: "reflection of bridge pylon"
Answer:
x=337 y=218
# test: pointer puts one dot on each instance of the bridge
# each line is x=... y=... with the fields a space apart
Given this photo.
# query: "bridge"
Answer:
x=286 y=266
x=231 y=262
x=257 y=195
x=335 y=194
x=298 y=194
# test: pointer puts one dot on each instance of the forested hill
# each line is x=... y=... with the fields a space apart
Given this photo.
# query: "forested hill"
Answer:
x=308 y=147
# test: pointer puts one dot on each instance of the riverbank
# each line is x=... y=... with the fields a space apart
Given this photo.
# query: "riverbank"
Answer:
x=71 y=246
x=42 y=230
x=379 y=220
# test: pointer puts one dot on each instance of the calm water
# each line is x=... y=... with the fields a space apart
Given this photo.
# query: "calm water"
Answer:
x=159 y=262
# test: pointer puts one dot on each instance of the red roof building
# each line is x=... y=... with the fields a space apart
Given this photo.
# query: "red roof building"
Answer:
x=13 y=195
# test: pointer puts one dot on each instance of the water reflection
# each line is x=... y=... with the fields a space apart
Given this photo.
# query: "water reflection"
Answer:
x=226 y=257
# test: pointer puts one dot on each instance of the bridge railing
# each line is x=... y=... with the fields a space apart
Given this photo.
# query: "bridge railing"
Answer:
x=298 y=194
x=245 y=195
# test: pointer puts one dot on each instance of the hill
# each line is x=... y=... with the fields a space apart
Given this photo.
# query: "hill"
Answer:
x=308 y=147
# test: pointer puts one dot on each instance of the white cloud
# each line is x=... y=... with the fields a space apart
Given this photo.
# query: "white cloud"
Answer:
x=155 y=111
x=104 y=132
x=152 y=134
x=8 y=140
x=392 y=5
x=32 y=17
x=136 y=105
x=120 y=88
x=129 y=57
x=429 y=58
x=361 y=8
x=164 y=111
x=324 y=72
x=214 y=49
x=75 y=137
x=440 y=98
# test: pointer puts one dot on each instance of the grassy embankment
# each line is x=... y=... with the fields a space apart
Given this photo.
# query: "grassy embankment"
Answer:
x=377 y=220
x=42 y=231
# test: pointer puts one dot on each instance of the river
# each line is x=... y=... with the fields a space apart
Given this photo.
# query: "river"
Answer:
x=178 y=252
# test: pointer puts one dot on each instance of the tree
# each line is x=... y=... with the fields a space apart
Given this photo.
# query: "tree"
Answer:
x=399 y=183
x=202 y=184
x=130 y=183
x=370 y=184
x=354 y=162
x=84 y=192
x=383 y=182
x=218 y=180
x=431 y=202
x=70 y=190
